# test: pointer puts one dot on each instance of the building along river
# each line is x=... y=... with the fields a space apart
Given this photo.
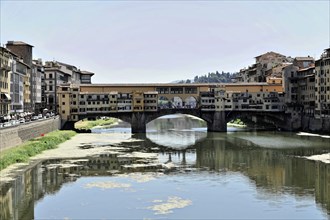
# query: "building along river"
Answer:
x=176 y=170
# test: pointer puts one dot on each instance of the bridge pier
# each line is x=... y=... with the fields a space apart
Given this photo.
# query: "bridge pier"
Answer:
x=138 y=122
x=218 y=122
x=67 y=125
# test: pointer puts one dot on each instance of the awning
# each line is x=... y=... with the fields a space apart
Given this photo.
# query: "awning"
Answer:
x=5 y=96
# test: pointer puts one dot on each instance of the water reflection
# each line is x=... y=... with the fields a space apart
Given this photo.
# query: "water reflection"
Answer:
x=17 y=199
x=273 y=169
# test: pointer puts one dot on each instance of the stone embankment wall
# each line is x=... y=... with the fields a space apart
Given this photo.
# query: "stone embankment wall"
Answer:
x=318 y=125
x=15 y=135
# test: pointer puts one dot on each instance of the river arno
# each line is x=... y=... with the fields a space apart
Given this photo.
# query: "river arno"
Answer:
x=178 y=170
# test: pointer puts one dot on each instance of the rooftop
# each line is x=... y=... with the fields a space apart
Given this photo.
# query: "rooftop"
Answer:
x=304 y=58
x=270 y=52
x=18 y=43
x=86 y=73
x=65 y=64
x=307 y=68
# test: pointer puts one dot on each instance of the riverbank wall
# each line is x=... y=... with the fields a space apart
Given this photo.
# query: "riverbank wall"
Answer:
x=18 y=134
x=316 y=125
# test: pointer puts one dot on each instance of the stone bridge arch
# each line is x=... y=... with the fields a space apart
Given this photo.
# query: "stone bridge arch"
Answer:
x=125 y=116
x=215 y=120
x=278 y=119
x=194 y=112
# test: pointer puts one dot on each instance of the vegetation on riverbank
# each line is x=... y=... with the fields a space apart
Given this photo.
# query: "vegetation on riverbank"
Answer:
x=87 y=125
x=236 y=123
x=23 y=152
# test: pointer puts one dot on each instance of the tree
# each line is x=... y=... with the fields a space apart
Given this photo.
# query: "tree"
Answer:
x=212 y=77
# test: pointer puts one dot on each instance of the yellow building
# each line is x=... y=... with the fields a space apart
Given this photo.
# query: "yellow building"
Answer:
x=150 y=101
x=66 y=108
x=5 y=60
x=138 y=101
x=113 y=101
x=27 y=88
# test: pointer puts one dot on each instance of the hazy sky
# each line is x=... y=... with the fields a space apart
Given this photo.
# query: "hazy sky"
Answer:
x=163 y=41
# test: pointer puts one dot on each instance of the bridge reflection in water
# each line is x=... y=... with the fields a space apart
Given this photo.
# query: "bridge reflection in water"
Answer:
x=271 y=170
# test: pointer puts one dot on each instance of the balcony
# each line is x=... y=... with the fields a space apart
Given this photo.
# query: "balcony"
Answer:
x=5 y=67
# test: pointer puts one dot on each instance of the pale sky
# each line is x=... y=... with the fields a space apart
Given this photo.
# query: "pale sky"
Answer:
x=163 y=41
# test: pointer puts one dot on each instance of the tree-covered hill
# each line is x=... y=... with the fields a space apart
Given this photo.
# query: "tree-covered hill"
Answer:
x=211 y=78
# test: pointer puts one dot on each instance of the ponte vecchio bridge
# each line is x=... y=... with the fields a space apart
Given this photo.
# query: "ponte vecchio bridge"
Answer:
x=139 y=104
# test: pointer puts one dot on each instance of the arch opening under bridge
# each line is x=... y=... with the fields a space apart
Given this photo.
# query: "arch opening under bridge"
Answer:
x=215 y=120
x=277 y=120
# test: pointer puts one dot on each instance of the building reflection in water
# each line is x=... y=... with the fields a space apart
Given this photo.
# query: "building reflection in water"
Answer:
x=272 y=170
x=17 y=198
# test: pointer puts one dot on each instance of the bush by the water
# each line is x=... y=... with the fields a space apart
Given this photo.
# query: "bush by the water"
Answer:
x=33 y=147
x=237 y=121
x=86 y=124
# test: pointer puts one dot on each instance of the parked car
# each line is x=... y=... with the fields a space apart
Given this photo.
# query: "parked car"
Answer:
x=34 y=118
x=7 y=124
x=21 y=120
x=15 y=122
x=40 y=116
